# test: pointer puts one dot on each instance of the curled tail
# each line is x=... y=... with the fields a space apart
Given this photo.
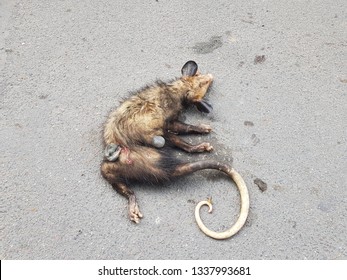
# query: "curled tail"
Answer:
x=241 y=185
x=243 y=211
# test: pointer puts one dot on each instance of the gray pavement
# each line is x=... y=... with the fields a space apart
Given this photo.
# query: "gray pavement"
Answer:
x=280 y=111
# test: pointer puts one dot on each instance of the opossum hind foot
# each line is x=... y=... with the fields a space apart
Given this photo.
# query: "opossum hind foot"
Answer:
x=134 y=212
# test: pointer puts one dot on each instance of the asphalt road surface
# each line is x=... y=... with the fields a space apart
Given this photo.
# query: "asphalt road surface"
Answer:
x=280 y=111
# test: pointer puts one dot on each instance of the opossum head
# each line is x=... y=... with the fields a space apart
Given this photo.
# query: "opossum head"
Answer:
x=196 y=85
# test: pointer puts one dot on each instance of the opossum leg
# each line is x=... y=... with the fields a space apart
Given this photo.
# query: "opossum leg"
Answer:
x=133 y=208
x=180 y=143
x=183 y=128
x=109 y=172
x=158 y=141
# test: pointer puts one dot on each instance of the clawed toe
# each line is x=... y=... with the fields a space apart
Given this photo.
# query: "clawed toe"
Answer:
x=205 y=147
x=208 y=147
x=205 y=128
x=134 y=214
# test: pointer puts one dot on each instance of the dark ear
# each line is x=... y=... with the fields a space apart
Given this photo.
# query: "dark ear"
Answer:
x=190 y=68
x=203 y=106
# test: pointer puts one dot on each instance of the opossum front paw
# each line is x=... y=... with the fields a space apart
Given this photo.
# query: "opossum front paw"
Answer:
x=158 y=141
x=204 y=147
x=205 y=128
x=134 y=213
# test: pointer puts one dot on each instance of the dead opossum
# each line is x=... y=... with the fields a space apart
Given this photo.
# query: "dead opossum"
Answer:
x=135 y=135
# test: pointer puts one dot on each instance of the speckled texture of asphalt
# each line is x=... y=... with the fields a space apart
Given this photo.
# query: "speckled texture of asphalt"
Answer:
x=280 y=111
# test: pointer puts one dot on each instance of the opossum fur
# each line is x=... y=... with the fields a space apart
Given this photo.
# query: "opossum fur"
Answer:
x=153 y=112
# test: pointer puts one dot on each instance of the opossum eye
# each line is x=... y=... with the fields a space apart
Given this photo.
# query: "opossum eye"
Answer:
x=203 y=106
x=189 y=68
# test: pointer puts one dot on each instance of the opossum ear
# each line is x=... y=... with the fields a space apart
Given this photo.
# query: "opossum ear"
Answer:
x=203 y=106
x=189 y=68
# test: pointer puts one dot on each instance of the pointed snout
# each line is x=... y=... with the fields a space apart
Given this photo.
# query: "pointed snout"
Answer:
x=210 y=76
